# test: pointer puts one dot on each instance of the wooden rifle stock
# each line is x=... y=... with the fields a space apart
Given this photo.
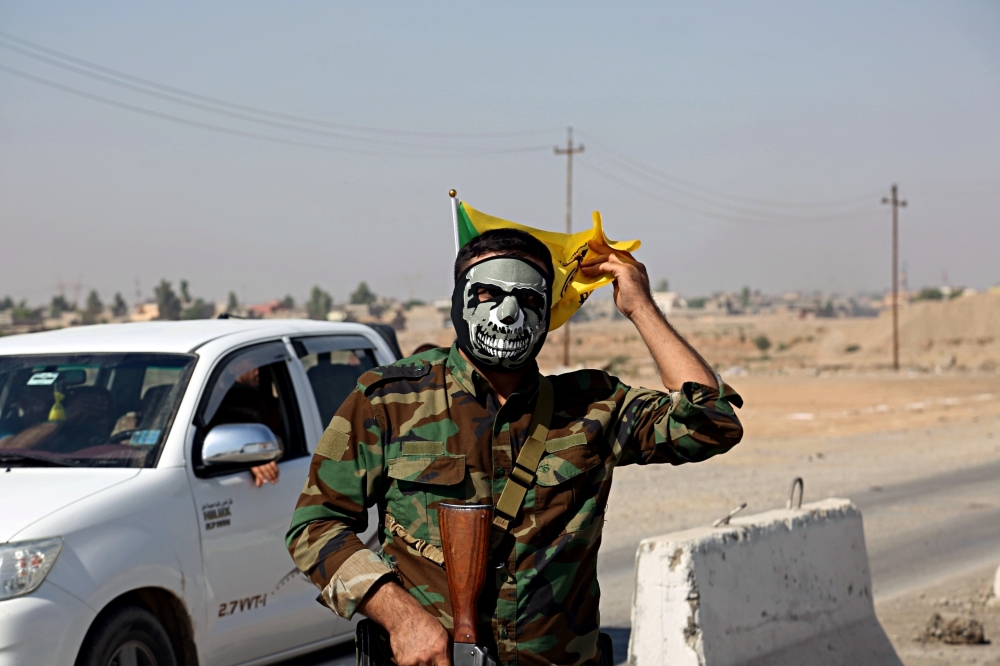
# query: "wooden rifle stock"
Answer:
x=465 y=538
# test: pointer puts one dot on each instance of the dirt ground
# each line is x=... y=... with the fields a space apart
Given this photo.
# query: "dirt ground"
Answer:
x=959 y=335
x=886 y=441
x=802 y=395
x=835 y=405
x=904 y=619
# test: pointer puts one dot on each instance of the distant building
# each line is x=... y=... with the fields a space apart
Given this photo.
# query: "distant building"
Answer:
x=427 y=318
x=275 y=309
x=668 y=301
x=145 y=312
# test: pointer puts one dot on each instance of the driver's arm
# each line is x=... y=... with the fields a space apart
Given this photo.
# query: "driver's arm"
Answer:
x=266 y=473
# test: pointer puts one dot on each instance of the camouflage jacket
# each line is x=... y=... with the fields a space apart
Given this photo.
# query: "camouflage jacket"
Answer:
x=429 y=429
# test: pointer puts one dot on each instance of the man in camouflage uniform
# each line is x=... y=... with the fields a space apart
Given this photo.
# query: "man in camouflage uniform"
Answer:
x=446 y=426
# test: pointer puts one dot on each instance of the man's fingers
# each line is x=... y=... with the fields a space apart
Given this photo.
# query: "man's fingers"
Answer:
x=603 y=250
x=598 y=261
x=615 y=259
x=613 y=265
x=604 y=259
x=598 y=269
x=592 y=259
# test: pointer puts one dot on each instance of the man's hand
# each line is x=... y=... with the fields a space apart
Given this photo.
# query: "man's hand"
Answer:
x=631 y=282
x=266 y=473
x=677 y=361
x=416 y=638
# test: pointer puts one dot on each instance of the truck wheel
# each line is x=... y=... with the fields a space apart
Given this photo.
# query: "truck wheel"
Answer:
x=129 y=636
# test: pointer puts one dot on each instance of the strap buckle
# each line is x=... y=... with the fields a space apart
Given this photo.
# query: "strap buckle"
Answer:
x=521 y=475
x=501 y=520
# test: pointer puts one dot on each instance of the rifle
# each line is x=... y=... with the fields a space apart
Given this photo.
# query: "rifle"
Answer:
x=465 y=538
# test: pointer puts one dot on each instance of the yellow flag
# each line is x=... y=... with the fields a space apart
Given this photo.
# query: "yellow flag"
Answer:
x=571 y=287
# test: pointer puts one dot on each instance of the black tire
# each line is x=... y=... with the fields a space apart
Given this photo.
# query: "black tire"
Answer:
x=128 y=635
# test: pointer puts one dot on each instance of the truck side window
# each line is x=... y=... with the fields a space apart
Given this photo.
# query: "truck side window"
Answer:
x=253 y=386
x=334 y=364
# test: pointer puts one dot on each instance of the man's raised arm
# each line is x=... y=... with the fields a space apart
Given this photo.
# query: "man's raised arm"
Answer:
x=696 y=419
x=676 y=360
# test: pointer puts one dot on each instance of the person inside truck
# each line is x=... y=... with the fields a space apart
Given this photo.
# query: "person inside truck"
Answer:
x=247 y=401
x=83 y=424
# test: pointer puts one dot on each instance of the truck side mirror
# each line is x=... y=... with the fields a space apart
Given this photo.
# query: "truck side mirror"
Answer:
x=240 y=443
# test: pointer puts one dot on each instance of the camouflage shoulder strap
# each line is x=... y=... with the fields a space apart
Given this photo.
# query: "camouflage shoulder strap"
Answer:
x=523 y=474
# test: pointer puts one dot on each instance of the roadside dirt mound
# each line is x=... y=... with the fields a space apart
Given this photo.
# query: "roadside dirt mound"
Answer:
x=967 y=317
x=954 y=630
x=960 y=334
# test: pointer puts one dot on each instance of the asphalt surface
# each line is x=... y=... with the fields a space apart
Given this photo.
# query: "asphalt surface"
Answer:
x=919 y=533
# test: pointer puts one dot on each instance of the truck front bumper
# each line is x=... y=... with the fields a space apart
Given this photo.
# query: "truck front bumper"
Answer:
x=44 y=627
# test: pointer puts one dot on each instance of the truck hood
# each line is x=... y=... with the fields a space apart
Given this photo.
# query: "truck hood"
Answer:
x=28 y=494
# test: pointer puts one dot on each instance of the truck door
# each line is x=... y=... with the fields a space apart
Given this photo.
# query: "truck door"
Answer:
x=259 y=603
x=333 y=364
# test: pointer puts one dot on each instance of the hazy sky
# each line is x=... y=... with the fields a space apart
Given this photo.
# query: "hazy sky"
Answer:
x=748 y=110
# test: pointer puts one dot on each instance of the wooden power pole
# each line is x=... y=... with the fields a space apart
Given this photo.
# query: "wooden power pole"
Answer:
x=568 y=151
x=896 y=205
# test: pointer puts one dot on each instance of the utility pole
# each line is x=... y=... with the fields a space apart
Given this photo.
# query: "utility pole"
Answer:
x=568 y=151
x=896 y=205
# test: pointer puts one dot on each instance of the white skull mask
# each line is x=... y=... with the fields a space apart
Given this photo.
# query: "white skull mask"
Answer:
x=506 y=330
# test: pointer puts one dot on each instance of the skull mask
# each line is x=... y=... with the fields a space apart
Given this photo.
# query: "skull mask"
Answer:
x=500 y=308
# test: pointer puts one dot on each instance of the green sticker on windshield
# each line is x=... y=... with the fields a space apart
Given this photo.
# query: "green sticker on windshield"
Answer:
x=42 y=378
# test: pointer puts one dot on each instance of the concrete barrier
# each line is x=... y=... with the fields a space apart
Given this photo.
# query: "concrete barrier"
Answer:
x=782 y=588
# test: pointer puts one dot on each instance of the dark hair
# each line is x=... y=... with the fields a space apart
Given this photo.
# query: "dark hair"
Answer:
x=508 y=242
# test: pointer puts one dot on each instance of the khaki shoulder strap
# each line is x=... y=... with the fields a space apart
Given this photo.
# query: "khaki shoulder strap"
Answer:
x=523 y=475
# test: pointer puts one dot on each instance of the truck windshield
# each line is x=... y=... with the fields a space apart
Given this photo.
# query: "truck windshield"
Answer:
x=88 y=410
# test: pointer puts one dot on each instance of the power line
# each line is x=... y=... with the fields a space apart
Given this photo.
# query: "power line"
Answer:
x=256 y=110
x=253 y=135
x=733 y=206
x=231 y=114
x=842 y=217
x=681 y=183
x=730 y=208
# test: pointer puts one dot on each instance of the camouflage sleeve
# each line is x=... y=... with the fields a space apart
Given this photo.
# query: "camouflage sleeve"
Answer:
x=344 y=480
x=689 y=425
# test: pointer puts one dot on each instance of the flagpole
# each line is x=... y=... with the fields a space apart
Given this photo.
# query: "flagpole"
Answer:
x=454 y=216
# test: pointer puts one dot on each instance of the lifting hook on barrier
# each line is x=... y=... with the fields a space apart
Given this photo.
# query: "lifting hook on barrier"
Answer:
x=791 y=493
x=725 y=521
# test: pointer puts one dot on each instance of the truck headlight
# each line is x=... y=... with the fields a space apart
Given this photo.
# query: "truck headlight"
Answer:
x=25 y=564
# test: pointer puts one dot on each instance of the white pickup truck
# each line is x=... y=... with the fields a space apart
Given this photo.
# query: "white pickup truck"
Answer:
x=131 y=530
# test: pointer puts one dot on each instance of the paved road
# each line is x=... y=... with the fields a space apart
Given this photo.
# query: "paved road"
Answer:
x=918 y=533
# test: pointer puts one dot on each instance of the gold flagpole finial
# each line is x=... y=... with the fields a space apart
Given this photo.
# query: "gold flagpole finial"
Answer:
x=452 y=193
